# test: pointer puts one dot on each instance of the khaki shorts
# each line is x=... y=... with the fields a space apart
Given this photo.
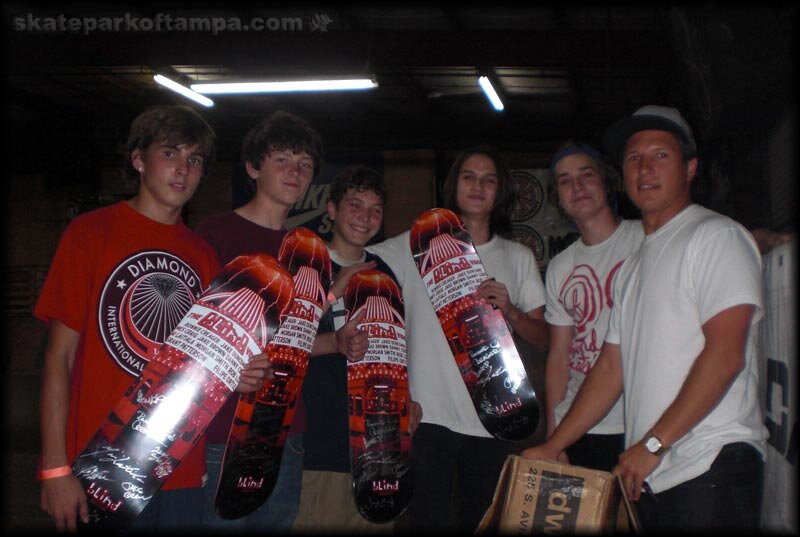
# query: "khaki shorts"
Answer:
x=327 y=506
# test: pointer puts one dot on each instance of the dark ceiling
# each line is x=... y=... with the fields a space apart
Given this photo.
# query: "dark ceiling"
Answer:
x=563 y=71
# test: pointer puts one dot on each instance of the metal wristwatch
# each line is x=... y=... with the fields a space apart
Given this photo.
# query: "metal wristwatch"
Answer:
x=654 y=445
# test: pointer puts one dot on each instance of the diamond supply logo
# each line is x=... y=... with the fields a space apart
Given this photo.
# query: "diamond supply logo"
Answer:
x=166 y=22
x=142 y=301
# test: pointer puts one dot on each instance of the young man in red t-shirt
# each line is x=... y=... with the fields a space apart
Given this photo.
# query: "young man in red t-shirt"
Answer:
x=98 y=339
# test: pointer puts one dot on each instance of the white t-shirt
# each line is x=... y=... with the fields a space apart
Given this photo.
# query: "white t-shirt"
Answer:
x=695 y=266
x=337 y=306
x=434 y=379
x=579 y=285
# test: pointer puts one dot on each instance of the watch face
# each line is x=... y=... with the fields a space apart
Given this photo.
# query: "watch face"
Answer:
x=653 y=444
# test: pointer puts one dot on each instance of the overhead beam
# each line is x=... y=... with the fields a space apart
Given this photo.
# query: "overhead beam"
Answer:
x=333 y=51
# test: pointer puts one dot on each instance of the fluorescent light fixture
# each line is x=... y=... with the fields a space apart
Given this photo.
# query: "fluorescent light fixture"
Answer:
x=491 y=94
x=183 y=90
x=286 y=86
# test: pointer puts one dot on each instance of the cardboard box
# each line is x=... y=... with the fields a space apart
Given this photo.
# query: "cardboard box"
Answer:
x=534 y=496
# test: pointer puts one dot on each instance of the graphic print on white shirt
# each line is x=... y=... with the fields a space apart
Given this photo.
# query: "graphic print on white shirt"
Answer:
x=584 y=297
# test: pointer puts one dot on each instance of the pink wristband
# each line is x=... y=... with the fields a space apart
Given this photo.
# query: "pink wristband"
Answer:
x=52 y=473
x=331 y=297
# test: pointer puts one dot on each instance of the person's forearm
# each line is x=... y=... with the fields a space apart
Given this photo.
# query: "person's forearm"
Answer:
x=325 y=344
x=532 y=330
x=54 y=397
x=54 y=408
x=556 y=377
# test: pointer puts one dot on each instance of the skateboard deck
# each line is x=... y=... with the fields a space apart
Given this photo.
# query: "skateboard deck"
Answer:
x=378 y=400
x=164 y=411
x=262 y=420
x=477 y=333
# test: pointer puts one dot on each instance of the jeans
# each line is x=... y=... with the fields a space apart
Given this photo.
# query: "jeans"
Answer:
x=455 y=476
x=727 y=497
x=278 y=512
x=170 y=511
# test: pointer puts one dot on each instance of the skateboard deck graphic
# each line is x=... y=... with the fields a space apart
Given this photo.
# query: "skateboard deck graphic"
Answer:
x=378 y=400
x=165 y=410
x=262 y=420
x=478 y=335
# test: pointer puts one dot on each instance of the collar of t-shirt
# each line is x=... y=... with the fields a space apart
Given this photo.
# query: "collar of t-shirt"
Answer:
x=341 y=261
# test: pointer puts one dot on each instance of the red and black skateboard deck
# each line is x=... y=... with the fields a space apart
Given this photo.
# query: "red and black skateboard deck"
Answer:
x=165 y=410
x=477 y=333
x=378 y=400
x=262 y=420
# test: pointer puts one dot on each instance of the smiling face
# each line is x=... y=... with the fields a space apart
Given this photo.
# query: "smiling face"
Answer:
x=283 y=177
x=657 y=178
x=169 y=174
x=581 y=188
x=357 y=218
x=476 y=190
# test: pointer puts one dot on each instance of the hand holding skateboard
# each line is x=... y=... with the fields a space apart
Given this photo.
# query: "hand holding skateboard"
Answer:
x=62 y=498
x=253 y=375
x=351 y=340
x=496 y=294
x=338 y=286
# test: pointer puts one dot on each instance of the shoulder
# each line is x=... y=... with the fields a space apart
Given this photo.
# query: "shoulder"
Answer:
x=97 y=216
x=398 y=243
x=628 y=238
x=185 y=243
x=720 y=222
x=564 y=258
x=632 y=227
x=709 y=225
x=698 y=218
x=512 y=248
x=502 y=255
x=200 y=242
x=401 y=239
x=96 y=223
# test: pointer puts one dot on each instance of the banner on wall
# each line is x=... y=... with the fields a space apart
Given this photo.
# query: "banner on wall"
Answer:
x=778 y=389
x=535 y=221
x=311 y=210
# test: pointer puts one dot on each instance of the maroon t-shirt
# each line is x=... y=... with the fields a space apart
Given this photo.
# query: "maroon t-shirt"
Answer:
x=232 y=235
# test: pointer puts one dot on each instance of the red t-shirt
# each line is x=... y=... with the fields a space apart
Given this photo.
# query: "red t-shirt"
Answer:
x=232 y=235
x=123 y=281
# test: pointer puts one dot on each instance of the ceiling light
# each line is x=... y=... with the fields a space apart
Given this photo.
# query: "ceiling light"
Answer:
x=286 y=86
x=491 y=94
x=186 y=92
